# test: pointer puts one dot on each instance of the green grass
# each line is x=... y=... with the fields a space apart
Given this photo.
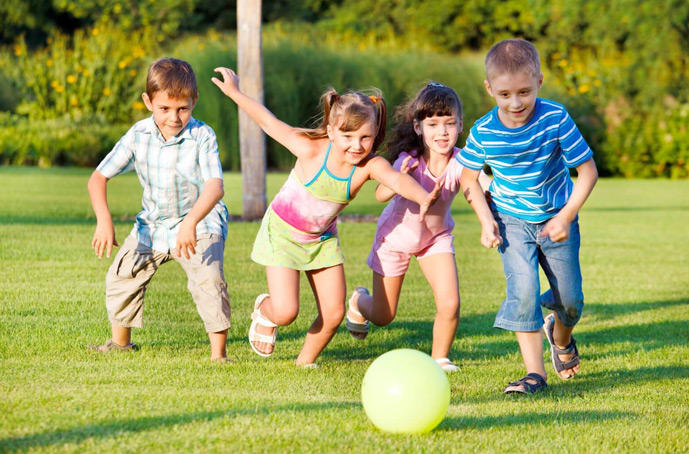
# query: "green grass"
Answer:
x=631 y=395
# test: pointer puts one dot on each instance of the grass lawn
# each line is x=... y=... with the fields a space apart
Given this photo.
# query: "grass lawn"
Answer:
x=631 y=395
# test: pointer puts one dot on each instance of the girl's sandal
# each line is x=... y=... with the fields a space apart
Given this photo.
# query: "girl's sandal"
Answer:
x=447 y=365
x=524 y=385
x=558 y=364
x=258 y=319
x=358 y=330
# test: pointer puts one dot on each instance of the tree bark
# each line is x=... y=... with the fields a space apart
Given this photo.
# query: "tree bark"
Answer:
x=252 y=141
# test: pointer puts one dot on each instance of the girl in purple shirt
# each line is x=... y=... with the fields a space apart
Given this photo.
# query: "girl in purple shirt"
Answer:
x=423 y=145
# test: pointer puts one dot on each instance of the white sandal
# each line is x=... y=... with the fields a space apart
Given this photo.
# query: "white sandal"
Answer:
x=258 y=319
x=447 y=365
x=353 y=327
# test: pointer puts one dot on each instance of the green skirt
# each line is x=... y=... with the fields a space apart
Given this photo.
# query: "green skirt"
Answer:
x=275 y=245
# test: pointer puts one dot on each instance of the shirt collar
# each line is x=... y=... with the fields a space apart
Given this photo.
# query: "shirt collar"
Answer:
x=184 y=134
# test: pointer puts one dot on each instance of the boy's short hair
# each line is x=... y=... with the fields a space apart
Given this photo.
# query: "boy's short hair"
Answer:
x=512 y=56
x=174 y=77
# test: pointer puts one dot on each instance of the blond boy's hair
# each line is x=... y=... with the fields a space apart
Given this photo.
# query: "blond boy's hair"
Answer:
x=512 y=56
x=174 y=77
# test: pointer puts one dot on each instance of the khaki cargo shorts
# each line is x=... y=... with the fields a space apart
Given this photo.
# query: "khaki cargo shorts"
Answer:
x=135 y=265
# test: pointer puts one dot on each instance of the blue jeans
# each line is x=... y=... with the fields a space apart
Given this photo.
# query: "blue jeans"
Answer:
x=522 y=251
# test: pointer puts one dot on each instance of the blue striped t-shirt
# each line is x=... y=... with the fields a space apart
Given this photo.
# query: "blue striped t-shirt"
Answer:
x=172 y=174
x=531 y=163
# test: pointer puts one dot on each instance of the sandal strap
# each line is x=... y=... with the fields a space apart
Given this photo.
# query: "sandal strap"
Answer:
x=528 y=388
x=258 y=337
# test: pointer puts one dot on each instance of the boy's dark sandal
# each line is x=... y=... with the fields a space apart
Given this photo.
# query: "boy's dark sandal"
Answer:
x=111 y=346
x=525 y=386
x=558 y=364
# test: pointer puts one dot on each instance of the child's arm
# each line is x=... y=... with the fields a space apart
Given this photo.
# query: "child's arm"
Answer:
x=213 y=191
x=403 y=184
x=285 y=134
x=557 y=228
x=473 y=192
x=383 y=193
x=104 y=236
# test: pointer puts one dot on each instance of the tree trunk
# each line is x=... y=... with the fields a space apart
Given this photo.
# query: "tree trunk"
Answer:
x=252 y=141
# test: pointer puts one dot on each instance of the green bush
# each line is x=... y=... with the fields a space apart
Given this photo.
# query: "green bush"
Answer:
x=55 y=142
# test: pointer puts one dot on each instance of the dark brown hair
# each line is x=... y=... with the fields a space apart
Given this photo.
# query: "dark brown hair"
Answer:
x=434 y=99
x=512 y=56
x=349 y=112
x=174 y=77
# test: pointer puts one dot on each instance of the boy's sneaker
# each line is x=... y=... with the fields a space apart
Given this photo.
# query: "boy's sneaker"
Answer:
x=111 y=346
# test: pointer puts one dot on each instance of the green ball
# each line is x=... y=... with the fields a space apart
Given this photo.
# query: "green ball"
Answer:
x=405 y=391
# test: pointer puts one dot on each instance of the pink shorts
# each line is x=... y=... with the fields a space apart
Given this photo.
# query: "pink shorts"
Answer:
x=387 y=261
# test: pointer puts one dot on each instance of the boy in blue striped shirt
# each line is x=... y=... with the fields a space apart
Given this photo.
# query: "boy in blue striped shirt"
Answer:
x=183 y=217
x=530 y=144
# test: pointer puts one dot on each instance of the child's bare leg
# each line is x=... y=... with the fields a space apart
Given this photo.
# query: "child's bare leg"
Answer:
x=121 y=335
x=282 y=306
x=531 y=346
x=381 y=306
x=562 y=335
x=441 y=272
x=329 y=288
x=218 y=341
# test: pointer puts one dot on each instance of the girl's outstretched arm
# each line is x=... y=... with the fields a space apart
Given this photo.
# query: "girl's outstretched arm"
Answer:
x=383 y=193
x=285 y=134
x=403 y=184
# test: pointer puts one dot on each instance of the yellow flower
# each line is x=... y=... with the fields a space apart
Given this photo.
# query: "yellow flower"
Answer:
x=201 y=46
x=73 y=101
x=94 y=32
x=86 y=72
x=597 y=83
x=54 y=83
x=71 y=79
x=138 y=52
x=132 y=72
x=138 y=105
x=17 y=50
x=122 y=64
x=564 y=62
x=584 y=88
x=60 y=88
x=49 y=63
x=106 y=92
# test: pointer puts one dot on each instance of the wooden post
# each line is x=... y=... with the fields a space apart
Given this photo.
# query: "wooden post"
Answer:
x=252 y=141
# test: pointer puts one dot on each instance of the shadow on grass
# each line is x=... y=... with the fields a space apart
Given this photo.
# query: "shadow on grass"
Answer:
x=122 y=427
x=530 y=418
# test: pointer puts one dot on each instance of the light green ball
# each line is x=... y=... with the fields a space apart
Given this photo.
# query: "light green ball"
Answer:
x=405 y=391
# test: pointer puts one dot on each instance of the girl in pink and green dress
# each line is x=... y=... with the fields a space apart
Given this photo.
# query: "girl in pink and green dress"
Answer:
x=299 y=229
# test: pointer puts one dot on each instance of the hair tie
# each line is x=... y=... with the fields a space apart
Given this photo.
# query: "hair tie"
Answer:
x=435 y=85
x=374 y=99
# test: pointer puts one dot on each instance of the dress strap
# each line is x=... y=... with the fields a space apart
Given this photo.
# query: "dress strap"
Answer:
x=349 y=182
x=323 y=166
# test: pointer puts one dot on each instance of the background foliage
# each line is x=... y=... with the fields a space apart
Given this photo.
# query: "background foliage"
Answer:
x=621 y=67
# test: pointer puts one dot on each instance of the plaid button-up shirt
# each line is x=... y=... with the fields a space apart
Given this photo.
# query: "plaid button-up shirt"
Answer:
x=172 y=174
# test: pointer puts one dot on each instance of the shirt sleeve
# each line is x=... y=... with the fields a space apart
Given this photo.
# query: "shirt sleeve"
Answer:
x=121 y=158
x=575 y=150
x=209 y=157
x=473 y=155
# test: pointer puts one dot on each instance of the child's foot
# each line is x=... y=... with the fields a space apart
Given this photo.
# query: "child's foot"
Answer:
x=355 y=322
x=447 y=365
x=565 y=359
x=222 y=360
x=111 y=346
x=528 y=384
x=262 y=332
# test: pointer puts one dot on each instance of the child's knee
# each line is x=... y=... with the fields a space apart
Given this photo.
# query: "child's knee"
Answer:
x=284 y=315
x=449 y=309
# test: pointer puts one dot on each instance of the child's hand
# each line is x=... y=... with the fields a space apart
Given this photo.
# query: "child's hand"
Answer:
x=430 y=199
x=104 y=239
x=406 y=168
x=230 y=81
x=186 y=239
x=490 y=235
x=557 y=229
